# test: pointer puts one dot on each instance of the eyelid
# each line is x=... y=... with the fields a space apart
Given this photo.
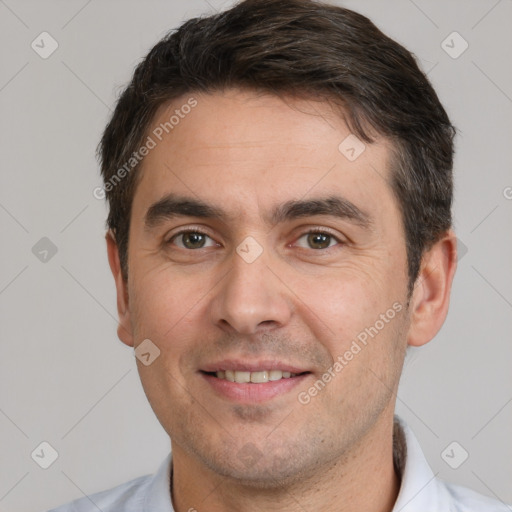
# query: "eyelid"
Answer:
x=321 y=229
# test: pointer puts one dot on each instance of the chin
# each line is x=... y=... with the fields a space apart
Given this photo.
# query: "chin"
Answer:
x=251 y=468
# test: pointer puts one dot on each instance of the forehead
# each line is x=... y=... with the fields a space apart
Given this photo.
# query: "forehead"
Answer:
x=247 y=151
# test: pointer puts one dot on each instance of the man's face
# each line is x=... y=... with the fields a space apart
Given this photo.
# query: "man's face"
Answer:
x=257 y=289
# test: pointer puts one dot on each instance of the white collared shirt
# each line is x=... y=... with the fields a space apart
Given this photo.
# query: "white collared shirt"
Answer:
x=420 y=490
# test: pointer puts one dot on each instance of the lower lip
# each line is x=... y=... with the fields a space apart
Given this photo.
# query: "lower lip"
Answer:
x=252 y=392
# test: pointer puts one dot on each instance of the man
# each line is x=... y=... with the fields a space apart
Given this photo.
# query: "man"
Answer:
x=279 y=178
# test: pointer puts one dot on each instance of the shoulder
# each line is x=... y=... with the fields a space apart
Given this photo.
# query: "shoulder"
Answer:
x=422 y=491
x=148 y=493
x=128 y=496
x=467 y=500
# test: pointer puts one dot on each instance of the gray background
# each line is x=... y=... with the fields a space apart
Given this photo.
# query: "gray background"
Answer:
x=64 y=376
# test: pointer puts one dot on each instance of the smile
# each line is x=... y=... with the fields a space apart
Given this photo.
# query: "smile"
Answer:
x=259 y=377
x=251 y=387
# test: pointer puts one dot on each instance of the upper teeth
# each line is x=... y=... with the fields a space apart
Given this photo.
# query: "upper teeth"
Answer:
x=256 y=377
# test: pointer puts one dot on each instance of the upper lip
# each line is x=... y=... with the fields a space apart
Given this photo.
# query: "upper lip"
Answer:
x=252 y=366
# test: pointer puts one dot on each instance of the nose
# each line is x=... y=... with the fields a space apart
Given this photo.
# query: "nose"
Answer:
x=250 y=298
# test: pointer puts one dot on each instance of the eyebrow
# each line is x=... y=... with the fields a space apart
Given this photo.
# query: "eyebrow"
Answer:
x=172 y=205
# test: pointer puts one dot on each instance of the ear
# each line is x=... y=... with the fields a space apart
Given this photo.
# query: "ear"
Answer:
x=124 y=329
x=431 y=295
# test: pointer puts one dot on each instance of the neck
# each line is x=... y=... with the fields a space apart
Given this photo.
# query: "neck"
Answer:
x=365 y=479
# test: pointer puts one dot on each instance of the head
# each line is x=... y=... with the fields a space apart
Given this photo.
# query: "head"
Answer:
x=236 y=127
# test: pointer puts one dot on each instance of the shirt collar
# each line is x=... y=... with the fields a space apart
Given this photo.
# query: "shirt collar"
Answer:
x=419 y=489
x=158 y=496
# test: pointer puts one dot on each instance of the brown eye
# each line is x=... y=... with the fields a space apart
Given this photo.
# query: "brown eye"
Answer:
x=191 y=240
x=318 y=240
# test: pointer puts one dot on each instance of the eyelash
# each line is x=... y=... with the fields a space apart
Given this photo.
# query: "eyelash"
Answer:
x=315 y=230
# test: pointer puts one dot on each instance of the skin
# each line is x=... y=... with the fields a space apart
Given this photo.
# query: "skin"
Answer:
x=296 y=303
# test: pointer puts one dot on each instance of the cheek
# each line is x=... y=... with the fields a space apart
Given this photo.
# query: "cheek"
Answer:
x=164 y=307
x=341 y=305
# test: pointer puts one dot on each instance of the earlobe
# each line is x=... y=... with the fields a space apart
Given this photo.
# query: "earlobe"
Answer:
x=124 y=330
x=431 y=295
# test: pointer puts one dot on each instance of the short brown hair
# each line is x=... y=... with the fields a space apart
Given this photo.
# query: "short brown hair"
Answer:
x=297 y=48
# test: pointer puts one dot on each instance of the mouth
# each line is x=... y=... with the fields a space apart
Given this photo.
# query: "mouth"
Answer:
x=250 y=384
x=259 y=377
